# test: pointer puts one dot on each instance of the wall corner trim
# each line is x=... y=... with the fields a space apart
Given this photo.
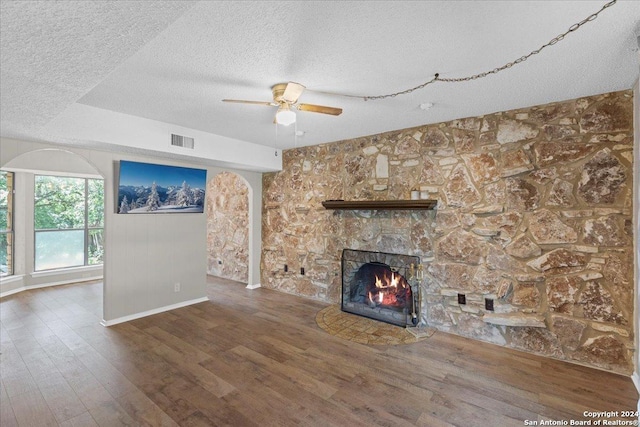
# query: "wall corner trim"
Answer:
x=256 y=286
x=135 y=316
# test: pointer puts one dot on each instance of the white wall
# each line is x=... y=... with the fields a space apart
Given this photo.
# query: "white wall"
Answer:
x=146 y=255
x=85 y=123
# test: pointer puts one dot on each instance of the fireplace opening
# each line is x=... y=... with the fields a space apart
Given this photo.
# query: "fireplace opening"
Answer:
x=378 y=285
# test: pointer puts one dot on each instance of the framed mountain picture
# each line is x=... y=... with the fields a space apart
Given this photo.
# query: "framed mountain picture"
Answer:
x=146 y=188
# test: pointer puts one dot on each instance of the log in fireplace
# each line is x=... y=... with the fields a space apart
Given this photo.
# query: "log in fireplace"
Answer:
x=381 y=286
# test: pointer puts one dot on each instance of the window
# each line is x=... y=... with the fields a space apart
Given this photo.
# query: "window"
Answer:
x=69 y=221
x=6 y=223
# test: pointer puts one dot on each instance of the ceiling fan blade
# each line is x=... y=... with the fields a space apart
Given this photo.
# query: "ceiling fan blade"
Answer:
x=319 y=109
x=240 y=101
x=292 y=92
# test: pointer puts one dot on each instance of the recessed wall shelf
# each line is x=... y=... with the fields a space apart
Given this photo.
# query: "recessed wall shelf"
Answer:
x=380 y=204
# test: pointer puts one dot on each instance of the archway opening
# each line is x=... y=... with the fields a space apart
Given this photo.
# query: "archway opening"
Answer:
x=46 y=254
x=228 y=227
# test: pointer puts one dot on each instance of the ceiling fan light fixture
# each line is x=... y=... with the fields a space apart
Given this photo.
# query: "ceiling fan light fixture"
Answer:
x=285 y=116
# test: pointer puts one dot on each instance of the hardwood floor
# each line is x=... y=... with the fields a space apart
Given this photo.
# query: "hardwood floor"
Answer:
x=257 y=358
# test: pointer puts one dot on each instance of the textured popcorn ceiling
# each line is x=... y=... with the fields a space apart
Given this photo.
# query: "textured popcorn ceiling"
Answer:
x=53 y=53
x=174 y=61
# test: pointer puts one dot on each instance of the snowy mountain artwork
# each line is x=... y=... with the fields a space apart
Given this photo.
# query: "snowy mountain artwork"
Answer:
x=149 y=188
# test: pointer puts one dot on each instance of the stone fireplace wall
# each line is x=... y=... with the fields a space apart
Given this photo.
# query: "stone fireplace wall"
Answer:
x=228 y=227
x=534 y=211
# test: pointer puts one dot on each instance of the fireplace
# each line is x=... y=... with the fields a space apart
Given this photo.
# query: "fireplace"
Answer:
x=381 y=286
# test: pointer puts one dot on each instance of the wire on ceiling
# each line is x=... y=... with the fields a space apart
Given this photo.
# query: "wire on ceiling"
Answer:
x=520 y=60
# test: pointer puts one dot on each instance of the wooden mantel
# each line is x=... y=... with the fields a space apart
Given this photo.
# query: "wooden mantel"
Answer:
x=380 y=204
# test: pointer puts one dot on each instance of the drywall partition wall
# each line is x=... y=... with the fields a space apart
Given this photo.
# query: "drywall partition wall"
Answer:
x=147 y=255
x=254 y=184
x=534 y=212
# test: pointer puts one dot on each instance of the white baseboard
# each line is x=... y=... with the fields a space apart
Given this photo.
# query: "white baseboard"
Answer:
x=64 y=282
x=47 y=285
x=12 y=291
x=9 y=280
x=256 y=286
x=152 y=312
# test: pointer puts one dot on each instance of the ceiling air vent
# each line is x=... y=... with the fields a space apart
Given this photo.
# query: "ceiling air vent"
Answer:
x=182 y=141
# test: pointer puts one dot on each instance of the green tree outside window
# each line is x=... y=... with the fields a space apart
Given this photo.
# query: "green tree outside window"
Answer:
x=63 y=207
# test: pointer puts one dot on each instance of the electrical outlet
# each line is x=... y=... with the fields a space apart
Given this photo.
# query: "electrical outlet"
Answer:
x=302 y=270
x=462 y=299
x=176 y=287
x=286 y=268
x=488 y=304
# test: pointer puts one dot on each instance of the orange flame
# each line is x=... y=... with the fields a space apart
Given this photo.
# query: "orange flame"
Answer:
x=388 y=286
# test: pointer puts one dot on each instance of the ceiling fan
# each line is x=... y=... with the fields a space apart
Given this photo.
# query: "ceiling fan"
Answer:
x=285 y=97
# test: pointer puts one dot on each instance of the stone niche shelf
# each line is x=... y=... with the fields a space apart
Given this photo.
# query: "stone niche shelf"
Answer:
x=380 y=204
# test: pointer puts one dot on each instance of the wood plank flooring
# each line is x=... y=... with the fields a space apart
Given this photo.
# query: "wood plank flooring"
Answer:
x=257 y=358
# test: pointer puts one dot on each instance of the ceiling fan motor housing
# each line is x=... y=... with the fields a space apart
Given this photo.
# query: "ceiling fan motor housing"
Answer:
x=278 y=92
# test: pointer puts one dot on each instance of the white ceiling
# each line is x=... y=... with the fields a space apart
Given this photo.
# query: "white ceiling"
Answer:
x=174 y=62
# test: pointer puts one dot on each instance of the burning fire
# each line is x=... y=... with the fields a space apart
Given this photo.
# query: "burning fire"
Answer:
x=390 y=291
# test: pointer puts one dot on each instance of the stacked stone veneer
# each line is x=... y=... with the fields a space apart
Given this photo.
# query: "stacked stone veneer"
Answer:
x=228 y=227
x=534 y=211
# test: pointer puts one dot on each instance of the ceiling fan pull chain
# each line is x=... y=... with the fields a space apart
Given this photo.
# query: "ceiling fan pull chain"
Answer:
x=275 y=145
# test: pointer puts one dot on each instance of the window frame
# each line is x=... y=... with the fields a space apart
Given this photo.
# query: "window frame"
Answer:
x=10 y=230
x=86 y=229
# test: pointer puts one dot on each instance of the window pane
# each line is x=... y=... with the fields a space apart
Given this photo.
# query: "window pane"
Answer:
x=96 y=203
x=59 y=202
x=96 y=246
x=5 y=200
x=6 y=223
x=4 y=218
x=59 y=249
x=5 y=254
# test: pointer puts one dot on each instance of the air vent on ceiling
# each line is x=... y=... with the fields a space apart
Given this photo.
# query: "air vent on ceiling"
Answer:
x=182 y=141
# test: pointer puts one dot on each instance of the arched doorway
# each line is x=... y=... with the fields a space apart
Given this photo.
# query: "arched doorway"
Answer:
x=228 y=227
x=31 y=271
